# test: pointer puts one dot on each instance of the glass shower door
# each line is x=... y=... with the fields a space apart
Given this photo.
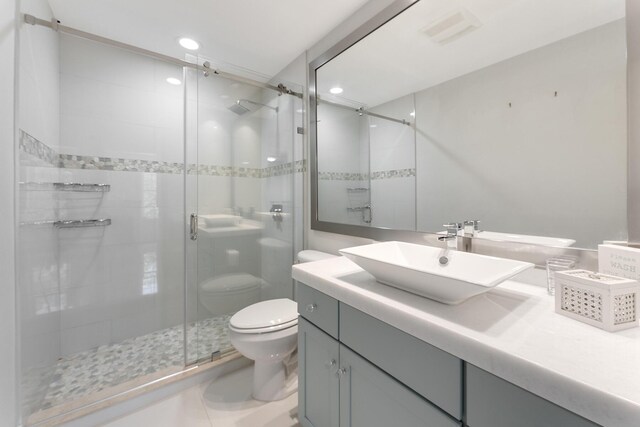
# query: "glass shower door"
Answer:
x=241 y=138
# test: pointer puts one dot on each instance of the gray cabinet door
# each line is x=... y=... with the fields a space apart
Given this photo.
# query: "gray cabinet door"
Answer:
x=371 y=398
x=494 y=402
x=425 y=369
x=318 y=360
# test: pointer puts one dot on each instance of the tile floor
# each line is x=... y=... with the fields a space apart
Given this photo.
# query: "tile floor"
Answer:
x=224 y=402
x=98 y=369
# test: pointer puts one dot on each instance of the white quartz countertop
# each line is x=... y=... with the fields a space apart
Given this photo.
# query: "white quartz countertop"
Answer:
x=511 y=331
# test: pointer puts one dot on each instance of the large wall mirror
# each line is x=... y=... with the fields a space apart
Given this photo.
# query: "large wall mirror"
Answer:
x=511 y=112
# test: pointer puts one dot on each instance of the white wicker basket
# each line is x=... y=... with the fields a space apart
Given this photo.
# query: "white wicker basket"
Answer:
x=604 y=301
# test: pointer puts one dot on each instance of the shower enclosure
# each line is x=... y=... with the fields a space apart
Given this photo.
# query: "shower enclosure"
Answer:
x=154 y=202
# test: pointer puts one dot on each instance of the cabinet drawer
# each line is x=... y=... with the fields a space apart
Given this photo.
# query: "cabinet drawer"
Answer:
x=494 y=402
x=429 y=371
x=318 y=308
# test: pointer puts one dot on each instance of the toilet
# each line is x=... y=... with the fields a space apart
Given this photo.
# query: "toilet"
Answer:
x=267 y=333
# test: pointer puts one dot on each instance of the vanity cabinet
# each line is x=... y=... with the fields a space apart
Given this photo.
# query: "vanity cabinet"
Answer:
x=338 y=387
x=357 y=371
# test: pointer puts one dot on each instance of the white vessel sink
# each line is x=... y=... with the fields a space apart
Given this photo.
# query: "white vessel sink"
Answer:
x=526 y=238
x=416 y=268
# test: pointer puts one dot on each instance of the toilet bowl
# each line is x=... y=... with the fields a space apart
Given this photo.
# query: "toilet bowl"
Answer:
x=267 y=332
x=229 y=293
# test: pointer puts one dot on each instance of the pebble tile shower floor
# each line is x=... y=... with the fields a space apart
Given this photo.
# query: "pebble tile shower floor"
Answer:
x=91 y=371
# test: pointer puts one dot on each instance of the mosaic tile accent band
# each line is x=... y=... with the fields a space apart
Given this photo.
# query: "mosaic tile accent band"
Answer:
x=31 y=146
x=394 y=173
x=355 y=176
x=37 y=149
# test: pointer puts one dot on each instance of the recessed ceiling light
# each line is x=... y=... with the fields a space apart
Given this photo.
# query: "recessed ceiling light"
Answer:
x=173 y=81
x=412 y=114
x=271 y=159
x=336 y=90
x=188 y=43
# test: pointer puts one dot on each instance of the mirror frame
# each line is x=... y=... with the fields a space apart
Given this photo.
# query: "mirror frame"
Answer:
x=525 y=252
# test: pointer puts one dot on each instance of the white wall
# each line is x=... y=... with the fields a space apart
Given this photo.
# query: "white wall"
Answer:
x=8 y=401
x=546 y=165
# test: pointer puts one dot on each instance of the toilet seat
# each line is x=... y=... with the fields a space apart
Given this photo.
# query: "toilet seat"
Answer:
x=266 y=316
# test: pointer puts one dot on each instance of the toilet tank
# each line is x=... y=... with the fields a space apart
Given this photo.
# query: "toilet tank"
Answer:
x=310 y=255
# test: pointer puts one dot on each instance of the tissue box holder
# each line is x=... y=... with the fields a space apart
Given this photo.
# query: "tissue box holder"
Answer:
x=604 y=301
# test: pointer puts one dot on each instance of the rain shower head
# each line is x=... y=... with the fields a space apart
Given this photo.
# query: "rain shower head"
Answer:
x=240 y=109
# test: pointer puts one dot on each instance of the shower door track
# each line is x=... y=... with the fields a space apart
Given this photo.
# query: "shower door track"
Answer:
x=205 y=68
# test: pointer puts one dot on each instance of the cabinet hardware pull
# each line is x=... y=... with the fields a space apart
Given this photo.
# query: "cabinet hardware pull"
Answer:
x=311 y=308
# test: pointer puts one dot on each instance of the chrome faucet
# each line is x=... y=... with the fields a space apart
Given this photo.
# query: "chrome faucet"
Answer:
x=451 y=239
x=472 y=227
x=451 y=236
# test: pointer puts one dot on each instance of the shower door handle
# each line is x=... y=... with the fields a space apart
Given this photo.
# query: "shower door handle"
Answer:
x=193 y=228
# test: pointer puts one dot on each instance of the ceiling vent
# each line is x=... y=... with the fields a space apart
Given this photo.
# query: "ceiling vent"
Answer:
x=451 y=26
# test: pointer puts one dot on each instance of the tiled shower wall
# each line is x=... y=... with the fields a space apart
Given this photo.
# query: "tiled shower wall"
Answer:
x=364 y=159
x=38 y=252
x=393 y=165
x=126 y=279
x=343 y=165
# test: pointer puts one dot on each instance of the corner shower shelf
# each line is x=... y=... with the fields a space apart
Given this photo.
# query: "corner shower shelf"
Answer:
x=66 y=186
x=357 y=190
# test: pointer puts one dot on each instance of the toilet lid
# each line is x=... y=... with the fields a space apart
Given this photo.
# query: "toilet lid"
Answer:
x=269 y=315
